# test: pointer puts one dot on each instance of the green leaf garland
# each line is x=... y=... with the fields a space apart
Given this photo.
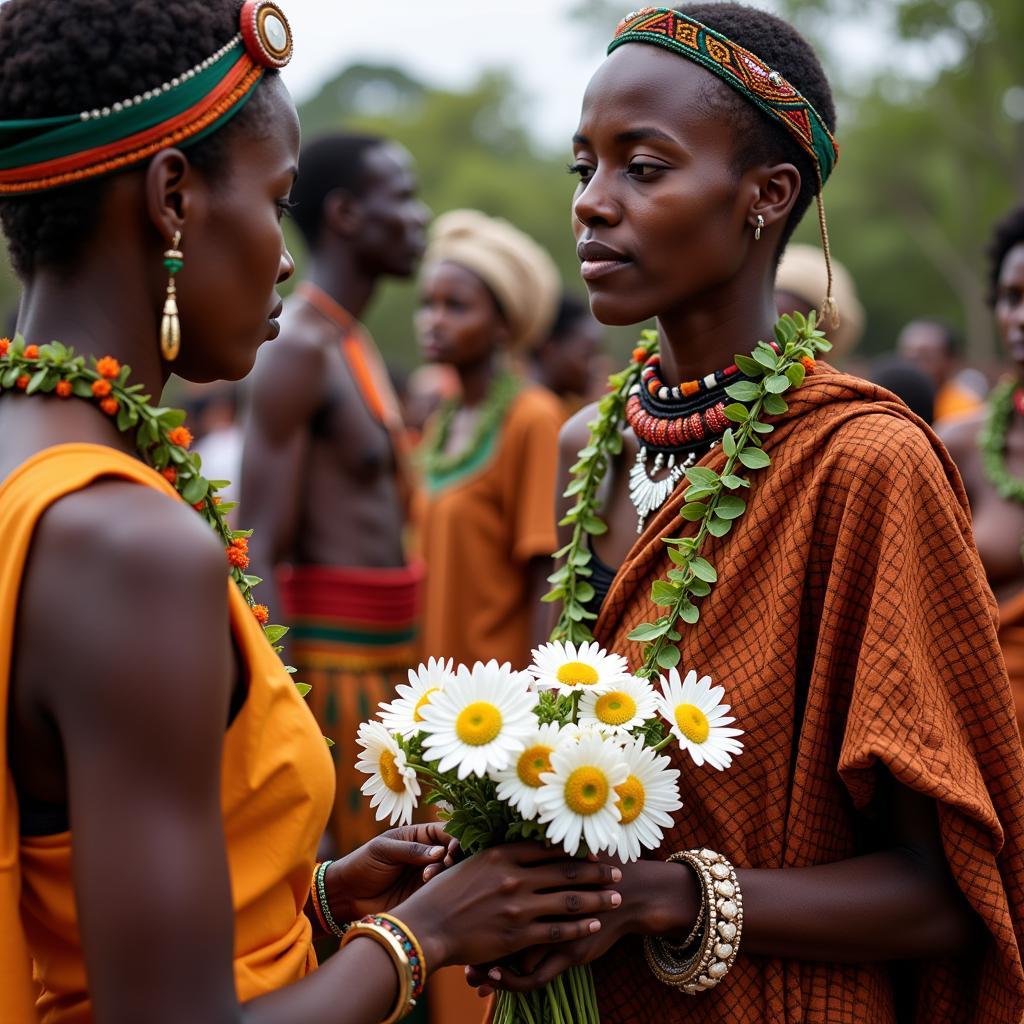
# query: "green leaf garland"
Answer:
x=992 y=441
x=56 y=369
x=710 y=500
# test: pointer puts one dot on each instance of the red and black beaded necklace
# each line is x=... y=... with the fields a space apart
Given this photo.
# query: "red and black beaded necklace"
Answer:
x=677 y=424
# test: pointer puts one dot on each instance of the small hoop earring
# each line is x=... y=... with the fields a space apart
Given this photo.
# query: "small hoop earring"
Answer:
x=757 y=230
x=170 y=325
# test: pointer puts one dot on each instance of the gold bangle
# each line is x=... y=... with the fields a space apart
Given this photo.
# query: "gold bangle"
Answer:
x=720 y=938
x=405 y=1002
x=417 y=948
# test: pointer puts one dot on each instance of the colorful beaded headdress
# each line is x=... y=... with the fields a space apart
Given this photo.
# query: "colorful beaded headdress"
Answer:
x=751 y=78
x=44 y=153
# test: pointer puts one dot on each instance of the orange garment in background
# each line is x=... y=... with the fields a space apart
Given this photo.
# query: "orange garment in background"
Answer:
x=953 y=401
x=478 y=534
x=276 y=791
x=854 y=633
x=1011 y=640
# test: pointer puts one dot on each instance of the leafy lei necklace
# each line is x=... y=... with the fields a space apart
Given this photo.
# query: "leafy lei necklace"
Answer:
x=711 y=501
x=993 y=442
x=161 y=440
x=441 y=469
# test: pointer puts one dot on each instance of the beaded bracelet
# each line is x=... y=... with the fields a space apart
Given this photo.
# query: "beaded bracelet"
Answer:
x=315 y=900
x=385 y=937
x=322 y=905
x=717 y=943
x=414 y=951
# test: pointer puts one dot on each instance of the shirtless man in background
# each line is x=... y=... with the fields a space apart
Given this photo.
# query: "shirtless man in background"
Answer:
x=323 y=480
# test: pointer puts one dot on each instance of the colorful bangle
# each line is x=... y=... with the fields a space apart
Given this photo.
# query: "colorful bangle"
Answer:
x=412 y=948
x=393 y=946
x=719 y=938
x=315 y=900
x=323 y=905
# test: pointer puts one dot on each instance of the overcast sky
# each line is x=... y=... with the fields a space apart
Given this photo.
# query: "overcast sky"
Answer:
x=449 y=42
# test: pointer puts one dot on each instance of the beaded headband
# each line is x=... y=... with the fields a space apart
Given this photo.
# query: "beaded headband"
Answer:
x=37 y=154
x=738 y=68
x=756 y=82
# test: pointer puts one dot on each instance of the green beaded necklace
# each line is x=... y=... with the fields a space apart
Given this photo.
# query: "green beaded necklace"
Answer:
x=992 y=441
x=442 y=470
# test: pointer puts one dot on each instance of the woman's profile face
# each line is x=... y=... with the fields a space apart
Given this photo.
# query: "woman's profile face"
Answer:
x=234 y=248
x=660 y=212
x=1009 y=308
x=458 y=321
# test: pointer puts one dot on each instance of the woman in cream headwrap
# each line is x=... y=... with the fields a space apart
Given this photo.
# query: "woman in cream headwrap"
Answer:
x=801 y=282
x=489 y=295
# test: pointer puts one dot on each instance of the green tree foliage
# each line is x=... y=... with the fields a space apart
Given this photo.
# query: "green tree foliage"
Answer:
x=933 y=154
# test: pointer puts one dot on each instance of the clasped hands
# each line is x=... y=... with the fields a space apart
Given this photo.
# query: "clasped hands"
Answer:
x=524 y=894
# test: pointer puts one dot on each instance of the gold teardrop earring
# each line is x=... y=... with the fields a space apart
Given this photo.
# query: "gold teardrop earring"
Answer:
x=170 y=326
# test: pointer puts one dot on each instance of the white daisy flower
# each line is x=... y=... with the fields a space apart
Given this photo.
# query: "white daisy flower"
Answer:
x=479 y=721
x=392 y=786
x=577 y=800
x=519 y=783
x=570 y=669
x=404 y=714
x=646 y=800
x=630 y=703
x=697 y=720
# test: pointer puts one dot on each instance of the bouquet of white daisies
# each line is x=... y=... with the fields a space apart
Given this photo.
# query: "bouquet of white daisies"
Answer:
x=568 y=752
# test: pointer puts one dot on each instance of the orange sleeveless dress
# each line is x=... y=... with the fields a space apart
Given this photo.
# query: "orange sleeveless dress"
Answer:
x=276 y=786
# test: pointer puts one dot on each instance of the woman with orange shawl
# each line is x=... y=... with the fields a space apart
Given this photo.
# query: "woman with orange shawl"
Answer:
x=164 y=785
x=861 y=861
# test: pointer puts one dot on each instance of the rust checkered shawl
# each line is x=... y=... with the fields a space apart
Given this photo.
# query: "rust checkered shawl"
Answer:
x=853 y=629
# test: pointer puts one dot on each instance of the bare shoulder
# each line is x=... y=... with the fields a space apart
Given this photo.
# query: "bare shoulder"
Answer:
x=299 y=355
x=575 y=433
x=130 y=580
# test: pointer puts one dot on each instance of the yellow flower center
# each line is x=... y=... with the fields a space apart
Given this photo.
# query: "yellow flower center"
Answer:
x=631 y=799
x=692 y=722
x=389 y=772
x=478 y=723
x=576 y=673
x=532 y=763
x=422 y=703
x=586 y=790
x=615 y=708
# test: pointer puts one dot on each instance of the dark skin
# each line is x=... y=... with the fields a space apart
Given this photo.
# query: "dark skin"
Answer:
x=924 y=345
x=660 y=193
x=318 y=473
x=998 y=523
x=565 y=364
x=129 y=739
x=460 y=325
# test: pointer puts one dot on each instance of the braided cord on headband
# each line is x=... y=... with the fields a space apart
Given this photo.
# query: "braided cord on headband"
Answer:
x=738 y=68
